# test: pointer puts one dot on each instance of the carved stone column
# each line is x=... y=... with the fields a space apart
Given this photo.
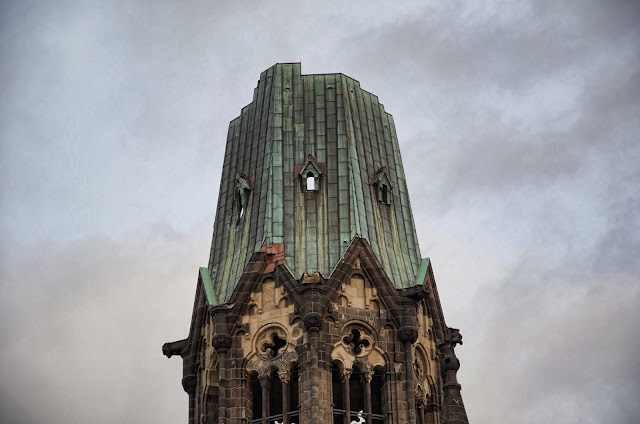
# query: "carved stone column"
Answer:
x=285 y=377
x=315 y=376
x=366 y=377
x=408 y=336
x=346 y=375
x=221 y=344
x=421 y=404
x=392 y=402
x=453 y=411
x=265 y=383
x=314 y=407
x=189 y=384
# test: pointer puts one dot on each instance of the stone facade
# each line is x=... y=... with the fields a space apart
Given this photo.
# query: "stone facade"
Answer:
x=342 y=343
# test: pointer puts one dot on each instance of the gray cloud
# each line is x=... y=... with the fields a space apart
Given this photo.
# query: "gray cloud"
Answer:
x=519 y=128
x=83 y=325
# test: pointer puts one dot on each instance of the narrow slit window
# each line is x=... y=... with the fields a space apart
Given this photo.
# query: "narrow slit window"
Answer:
x=384 y=194
x=311 y=181
x=244 y=185
x=240 y=203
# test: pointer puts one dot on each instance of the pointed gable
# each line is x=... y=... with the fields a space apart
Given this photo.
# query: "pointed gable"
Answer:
x=382 y=184
x=359 y=279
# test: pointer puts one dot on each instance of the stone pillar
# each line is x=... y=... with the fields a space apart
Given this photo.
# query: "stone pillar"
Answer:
x=221 y=344
x=408 y=336
x=284 y=377
x=391 y=404
x=367 y=395
x=421 y=404
x=265 y=384
x=189 y=384
x=313 y=404
x=453 y=407
x=315 y=366
x=346 y=375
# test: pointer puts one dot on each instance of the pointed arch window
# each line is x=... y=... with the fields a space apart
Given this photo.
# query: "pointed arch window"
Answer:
x=360 y=393
x=274 y=396
x=273 y=376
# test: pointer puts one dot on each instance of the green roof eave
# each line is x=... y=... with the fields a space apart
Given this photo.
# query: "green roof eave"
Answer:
x=208 y=286
x=422 y=271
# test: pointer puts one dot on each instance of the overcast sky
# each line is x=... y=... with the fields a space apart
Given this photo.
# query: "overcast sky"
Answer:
x=519 y=125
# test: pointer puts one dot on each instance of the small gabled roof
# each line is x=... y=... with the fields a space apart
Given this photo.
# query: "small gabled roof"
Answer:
x=310 y=165
x=244 y=181
x=382 y=174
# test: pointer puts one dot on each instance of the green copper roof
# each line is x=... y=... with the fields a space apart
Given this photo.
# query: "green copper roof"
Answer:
x=422 y=271
x=263 y=201
x=208 y=286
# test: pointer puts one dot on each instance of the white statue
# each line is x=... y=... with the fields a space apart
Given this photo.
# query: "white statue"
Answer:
x=361 y=420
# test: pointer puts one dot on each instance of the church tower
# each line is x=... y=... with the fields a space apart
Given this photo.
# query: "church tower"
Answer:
x=316 y=305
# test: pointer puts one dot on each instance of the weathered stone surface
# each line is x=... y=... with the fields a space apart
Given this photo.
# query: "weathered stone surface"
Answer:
x=189 y=383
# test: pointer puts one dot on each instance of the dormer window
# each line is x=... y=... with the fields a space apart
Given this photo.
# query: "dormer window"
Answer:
x=243 y=186
x=310 y=175
x=382 y=185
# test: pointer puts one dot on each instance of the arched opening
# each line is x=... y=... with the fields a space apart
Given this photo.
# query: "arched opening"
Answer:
x=337 y=390
x=343 y=301
x=377 y=388
x=356 y=392
x=275 y=395
x=256 y=396
x=359 y=395
x=294 y=400
x=311 y=181
x=431 y=411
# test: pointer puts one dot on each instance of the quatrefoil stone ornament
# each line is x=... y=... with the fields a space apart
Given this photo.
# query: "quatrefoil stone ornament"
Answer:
x=271 y=345
x=356 y=342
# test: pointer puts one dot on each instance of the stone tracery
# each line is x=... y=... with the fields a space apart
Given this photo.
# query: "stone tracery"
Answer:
x=356 y=341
